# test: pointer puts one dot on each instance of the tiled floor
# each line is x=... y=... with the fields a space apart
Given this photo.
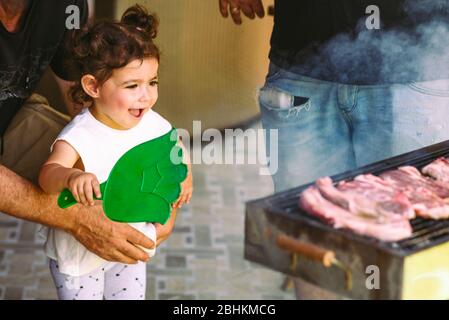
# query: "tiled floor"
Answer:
x=203 y=259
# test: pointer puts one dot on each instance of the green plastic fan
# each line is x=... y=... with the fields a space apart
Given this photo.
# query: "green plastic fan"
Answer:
x=143 y=184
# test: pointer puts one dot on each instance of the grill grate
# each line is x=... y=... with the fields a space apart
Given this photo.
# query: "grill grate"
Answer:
x=426 y=233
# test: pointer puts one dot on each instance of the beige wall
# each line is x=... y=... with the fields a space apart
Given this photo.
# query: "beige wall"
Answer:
x=210 y=68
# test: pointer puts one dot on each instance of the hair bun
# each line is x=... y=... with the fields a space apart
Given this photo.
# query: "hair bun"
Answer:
x=138 y=17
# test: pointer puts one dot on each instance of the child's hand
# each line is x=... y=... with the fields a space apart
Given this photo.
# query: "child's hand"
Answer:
x=83 y=186
x=186 y=191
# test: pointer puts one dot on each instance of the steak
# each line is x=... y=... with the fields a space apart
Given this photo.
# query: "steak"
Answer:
x=364 y=197
x=438 y=169
x=409 y=177
x=313 y=202
x=426 y=194
x=381 y=207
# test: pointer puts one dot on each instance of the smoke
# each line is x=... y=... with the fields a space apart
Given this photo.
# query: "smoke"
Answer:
x=424 y=8
x=395 y=53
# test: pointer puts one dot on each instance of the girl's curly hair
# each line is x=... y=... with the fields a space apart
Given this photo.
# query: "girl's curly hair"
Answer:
x=100 y=48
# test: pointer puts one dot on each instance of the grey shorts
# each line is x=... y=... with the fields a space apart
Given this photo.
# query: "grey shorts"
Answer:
x=27 y=141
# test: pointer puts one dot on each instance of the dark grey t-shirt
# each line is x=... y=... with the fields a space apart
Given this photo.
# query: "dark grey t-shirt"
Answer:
x=330 y=40
x=24 y=55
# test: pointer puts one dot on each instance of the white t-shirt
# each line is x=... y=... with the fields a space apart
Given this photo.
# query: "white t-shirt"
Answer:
x=99 y=147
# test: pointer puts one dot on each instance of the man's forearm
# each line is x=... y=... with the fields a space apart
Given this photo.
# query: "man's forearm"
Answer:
x=64 y=87
x=22 y=199
x=110 y=240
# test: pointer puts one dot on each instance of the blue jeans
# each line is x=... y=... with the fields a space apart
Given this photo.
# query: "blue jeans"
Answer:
x=326 y=128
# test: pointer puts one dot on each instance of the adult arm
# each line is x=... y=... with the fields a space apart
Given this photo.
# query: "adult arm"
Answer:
x=187 y=184
x=250 y=8
x=110 y=240
x=163 y=231
x=64 y=87
x=58 y=67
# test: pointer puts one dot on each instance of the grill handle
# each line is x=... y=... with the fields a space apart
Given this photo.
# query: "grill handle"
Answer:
x=326 y=257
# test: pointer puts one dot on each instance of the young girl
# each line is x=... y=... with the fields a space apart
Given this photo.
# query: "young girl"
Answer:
x=118 y=83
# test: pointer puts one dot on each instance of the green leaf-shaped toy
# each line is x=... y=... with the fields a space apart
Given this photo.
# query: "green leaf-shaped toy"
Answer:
x=143 y=184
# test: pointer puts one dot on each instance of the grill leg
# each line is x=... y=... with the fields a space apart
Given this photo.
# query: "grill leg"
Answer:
x=307 y=291
x=287 y=285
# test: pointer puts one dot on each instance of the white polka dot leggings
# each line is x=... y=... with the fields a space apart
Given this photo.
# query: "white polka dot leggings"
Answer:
x=121 y=282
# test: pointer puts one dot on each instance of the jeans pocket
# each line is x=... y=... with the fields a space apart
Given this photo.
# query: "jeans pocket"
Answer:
x=438 y=88
x=282 y=106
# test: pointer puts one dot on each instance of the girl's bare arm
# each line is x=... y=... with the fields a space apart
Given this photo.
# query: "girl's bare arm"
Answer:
x=58 y=168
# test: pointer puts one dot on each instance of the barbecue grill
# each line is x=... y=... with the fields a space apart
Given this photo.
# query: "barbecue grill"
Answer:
x=283 y=237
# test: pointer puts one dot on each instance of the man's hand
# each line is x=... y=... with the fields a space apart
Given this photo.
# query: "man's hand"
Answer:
x=187 y=184
x=250 y=8
x=186 y=191
x=163 y=231
x=110 y=240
